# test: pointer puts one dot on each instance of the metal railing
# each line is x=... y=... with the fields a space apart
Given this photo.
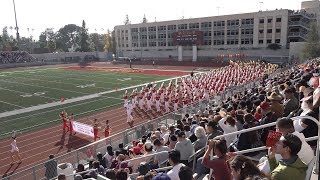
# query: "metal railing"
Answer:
x=85 y=153
x=273 y=124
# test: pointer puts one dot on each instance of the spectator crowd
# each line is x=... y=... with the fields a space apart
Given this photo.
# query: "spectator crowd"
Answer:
x=7 y=57
x=287 y=94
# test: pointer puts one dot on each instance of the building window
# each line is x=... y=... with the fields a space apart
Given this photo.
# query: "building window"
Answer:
x=134 y=30
x=152 y=36
x=218 y=24
x=162 y=28
x=144 y=44
x=269 y=20
x=143 y=36
x=183 y=26
x=207 y=42
x=278 y=20
x=207 y=34
x=152 y=44
x=143 y=29
x=161 y=43
x=194 y=26
x=172 y=27
x=269 y=41
x=206 y=25
x=261 y=21
x=162 y=36
x=152 y=29
x=277 y=41
x=278 y=30
x=269 y=31
x=260 y=41
x=261 y=31
x=170 y=43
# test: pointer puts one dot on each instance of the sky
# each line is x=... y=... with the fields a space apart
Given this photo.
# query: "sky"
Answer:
x=100 y=15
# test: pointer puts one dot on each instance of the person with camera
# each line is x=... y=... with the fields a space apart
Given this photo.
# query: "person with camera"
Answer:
x=221 y=170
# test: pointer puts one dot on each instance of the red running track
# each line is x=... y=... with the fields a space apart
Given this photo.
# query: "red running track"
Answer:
x=35 y=147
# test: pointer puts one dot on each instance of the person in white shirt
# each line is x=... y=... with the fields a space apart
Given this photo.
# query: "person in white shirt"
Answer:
x=227 y=128
x=14 y=151
x=174 y=159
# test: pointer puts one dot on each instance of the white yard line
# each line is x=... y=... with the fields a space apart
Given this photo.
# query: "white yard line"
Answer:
x=43 y=106
x=61 y=108
x=28 y=70
x=12 y=104
x=27 y=93
x=57 y=82
x=44 y=87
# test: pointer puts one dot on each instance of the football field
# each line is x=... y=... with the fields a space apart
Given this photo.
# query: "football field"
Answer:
x=29 y=88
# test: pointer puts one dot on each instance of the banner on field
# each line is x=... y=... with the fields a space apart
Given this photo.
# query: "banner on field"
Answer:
x=82 y=128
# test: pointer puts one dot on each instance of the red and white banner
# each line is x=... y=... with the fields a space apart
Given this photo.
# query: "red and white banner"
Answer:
x=82 y=128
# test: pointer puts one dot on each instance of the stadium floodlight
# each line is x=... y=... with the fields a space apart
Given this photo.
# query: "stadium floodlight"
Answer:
x=17 y=28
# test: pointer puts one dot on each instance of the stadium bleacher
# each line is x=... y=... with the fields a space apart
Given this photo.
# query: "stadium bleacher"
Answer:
x=7 y=57
x=245 y=117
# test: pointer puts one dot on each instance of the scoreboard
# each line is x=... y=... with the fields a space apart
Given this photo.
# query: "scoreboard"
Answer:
x=187 y=38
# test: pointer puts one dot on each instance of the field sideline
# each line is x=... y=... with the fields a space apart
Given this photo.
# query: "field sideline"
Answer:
x=31 y=87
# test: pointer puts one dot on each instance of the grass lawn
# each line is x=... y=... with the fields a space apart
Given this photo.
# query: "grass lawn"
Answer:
x=31 y=87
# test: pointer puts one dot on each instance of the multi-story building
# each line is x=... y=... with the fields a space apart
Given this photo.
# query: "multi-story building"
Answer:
x=249 y=33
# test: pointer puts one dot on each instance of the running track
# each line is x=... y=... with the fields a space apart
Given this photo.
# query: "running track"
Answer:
x=35 y=147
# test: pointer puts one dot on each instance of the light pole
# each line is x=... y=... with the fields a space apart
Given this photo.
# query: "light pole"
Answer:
x=17 y=28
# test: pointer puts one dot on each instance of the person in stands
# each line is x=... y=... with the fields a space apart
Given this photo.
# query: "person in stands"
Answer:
x=290 y=166
x=221 y=170
x=244 y=168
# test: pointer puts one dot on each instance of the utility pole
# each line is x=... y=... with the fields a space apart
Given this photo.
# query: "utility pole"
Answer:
x=17 y=28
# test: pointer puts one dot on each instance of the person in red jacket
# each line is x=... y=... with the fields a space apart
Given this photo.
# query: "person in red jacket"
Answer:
x=63 y=116
x=95 y=129
x=221 y=169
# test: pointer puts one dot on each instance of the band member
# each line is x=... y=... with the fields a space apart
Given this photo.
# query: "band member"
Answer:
x=14 y=151
x=166 y=103
x=63 y=117
x=125 y=99
x=149 y=102
x=158 y=103
x=71 y=119
x=95 y=129
x=175 y=103
x=107 y=129
x=129 y=116
x=141 y=101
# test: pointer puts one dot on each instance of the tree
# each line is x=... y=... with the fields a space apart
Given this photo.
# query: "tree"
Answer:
x=51 y=44
x=144 y=20
x=5 y=39
x=108 y=42
x=43 y=40
x=97 y=41
x=84 y=38
x=312 y=46
x=68 y=38
x=127 y=21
